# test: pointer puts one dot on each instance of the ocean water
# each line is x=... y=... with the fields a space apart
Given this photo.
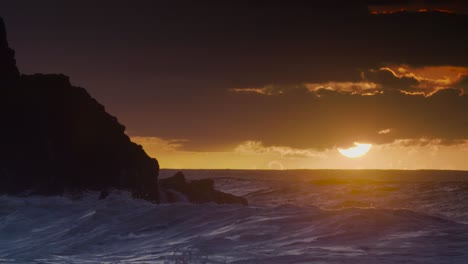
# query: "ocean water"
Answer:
x=293 y=217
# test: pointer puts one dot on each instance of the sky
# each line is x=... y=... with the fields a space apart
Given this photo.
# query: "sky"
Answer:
x=264 y=84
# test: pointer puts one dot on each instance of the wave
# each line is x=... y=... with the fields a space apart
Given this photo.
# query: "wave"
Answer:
x=125 y=230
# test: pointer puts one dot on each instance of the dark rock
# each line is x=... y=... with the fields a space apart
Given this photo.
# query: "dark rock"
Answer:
x=196 y=191
x=177 y=180
x=56 y=138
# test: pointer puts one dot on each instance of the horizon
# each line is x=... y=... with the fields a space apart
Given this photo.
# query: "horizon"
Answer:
x=173 y=169
x=274 y=85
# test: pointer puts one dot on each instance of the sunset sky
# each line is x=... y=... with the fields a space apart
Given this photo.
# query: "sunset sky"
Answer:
x=264 y=84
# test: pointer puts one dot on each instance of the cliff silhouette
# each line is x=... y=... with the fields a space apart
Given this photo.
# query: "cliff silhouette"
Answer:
x=57 y=139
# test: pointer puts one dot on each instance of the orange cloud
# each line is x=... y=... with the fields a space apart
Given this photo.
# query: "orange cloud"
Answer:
x=385 y=11
x=448 y=7
x=361 y=88
x=391 y=10
x=430 y=78
x=272 y=89
x=404 y=78
x=349 y=87
x=248 y=90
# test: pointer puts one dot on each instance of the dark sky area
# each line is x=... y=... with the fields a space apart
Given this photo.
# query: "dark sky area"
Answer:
x=304 y=74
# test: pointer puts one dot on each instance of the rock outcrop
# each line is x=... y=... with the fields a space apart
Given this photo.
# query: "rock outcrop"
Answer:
x=56 y=139
x=177 y=189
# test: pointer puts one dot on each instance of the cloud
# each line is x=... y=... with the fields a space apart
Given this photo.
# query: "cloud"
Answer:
x=429 y=78
x=389 y=80
x=362 y=87
x=248 y=90
x=420 y=154
x=394 y=6
x=384 y=131
x=420 y=146
x=159 y=144
x=421 y=142
x=406 y=79
x=273 y=89
x=257 y=148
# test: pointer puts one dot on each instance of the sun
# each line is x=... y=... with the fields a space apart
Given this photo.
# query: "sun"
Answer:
x=357 y=151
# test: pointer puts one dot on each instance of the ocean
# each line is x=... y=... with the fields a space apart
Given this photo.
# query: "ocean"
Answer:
x=296 y=216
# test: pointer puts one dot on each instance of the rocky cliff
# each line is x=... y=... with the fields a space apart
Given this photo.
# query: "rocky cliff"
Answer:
x=57 y=139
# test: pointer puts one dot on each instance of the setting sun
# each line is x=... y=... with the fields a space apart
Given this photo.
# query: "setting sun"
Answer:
x=357 y=151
